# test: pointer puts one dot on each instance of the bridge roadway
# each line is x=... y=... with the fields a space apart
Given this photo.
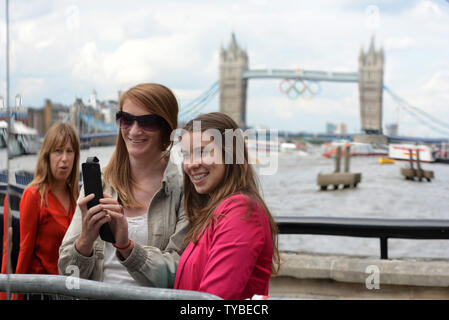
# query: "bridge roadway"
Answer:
x=311 y=75
x=89 y=136
x=282 y=134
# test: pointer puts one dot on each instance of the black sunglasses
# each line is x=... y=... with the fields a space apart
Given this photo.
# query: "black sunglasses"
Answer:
x=149 y=122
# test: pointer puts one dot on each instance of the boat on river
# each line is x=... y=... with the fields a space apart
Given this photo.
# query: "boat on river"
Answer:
x=402 y=152
x=357 y=149
x=294 y=148
x=442 y=153
x=23 y=140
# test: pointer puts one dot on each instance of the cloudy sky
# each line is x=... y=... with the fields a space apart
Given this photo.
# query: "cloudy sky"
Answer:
x=64 y=49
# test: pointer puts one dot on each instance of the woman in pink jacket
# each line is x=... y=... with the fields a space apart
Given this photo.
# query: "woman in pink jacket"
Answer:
x=231 y=249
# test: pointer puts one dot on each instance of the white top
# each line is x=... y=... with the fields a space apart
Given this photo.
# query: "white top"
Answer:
x=114 y=271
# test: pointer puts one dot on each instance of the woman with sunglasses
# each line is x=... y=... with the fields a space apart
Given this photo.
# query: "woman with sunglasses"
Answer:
x=143 y=200
x=231 y=248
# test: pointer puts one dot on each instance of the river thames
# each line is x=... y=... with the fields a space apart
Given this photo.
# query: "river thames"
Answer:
x=382 y=193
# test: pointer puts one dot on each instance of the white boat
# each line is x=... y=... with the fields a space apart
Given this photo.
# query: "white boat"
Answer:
x=402 y=152
x=262 y=151
x=293 y=148
x=287 y=147
x=23 y=140
x=356 y=149
x=442 y=153
x=3 y=133
x=262 y=145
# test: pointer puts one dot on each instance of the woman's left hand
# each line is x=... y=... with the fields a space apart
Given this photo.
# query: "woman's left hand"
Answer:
x=118 y=224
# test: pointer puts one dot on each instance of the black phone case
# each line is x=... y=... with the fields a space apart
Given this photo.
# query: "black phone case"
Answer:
x=92 y=184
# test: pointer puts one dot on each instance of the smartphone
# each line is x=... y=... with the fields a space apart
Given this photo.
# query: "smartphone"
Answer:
x=92 y=184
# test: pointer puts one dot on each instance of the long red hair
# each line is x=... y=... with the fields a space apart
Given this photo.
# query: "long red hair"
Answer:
x=159 y=100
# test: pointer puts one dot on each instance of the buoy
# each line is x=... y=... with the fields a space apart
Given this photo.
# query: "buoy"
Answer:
x=254 y=160
x=386 y=160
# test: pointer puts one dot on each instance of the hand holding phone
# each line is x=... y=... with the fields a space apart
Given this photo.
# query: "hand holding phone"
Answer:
x=92 y=184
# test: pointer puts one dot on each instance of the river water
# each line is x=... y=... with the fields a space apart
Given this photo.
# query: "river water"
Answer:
x=382 y=193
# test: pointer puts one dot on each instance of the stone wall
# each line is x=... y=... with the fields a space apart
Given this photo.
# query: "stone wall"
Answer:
x=314 y=276
x=376 y=139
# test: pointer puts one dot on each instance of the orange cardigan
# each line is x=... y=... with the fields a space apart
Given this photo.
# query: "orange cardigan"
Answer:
x=42 y=228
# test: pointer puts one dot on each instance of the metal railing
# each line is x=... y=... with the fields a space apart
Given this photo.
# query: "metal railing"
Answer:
x=69 y=287
x=366 y=228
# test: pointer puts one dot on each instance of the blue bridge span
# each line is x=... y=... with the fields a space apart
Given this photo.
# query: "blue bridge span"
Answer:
x=188 y=111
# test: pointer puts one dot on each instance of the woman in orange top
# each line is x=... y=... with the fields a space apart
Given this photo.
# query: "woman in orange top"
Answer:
x=48 y=203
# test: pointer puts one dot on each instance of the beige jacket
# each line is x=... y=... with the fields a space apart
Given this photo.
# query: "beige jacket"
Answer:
x=151 y=265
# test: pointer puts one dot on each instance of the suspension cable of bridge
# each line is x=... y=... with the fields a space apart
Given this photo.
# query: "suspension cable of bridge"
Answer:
x=194 y=107
x=93 y=123
x=422 y=116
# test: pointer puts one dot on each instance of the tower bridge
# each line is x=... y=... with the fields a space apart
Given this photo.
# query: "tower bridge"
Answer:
x=234 y=74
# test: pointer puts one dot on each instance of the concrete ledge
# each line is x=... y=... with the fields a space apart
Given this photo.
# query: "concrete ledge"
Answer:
x=337 y=178
x=332 y=276
x=288 y=287
x=415 y=173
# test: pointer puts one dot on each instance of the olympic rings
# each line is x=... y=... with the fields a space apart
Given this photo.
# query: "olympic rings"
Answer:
x=308 y=89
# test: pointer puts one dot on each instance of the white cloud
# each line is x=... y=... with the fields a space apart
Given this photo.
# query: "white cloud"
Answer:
x=431 y=96
x=186 y=95
x=438 y=84
x=31 y=86
x=426 y=8
x=135 y=60
x=399 y=43
x=111 y=46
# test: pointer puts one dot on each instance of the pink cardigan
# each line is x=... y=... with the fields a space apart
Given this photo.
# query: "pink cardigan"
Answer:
x=233 y=257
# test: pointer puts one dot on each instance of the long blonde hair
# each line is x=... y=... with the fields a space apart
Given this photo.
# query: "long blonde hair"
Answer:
x=56 y=136
x=159 y=100
x=238 y=178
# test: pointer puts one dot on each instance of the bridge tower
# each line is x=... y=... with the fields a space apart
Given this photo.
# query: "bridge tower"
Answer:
x=233 y=62
x=371 y=71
